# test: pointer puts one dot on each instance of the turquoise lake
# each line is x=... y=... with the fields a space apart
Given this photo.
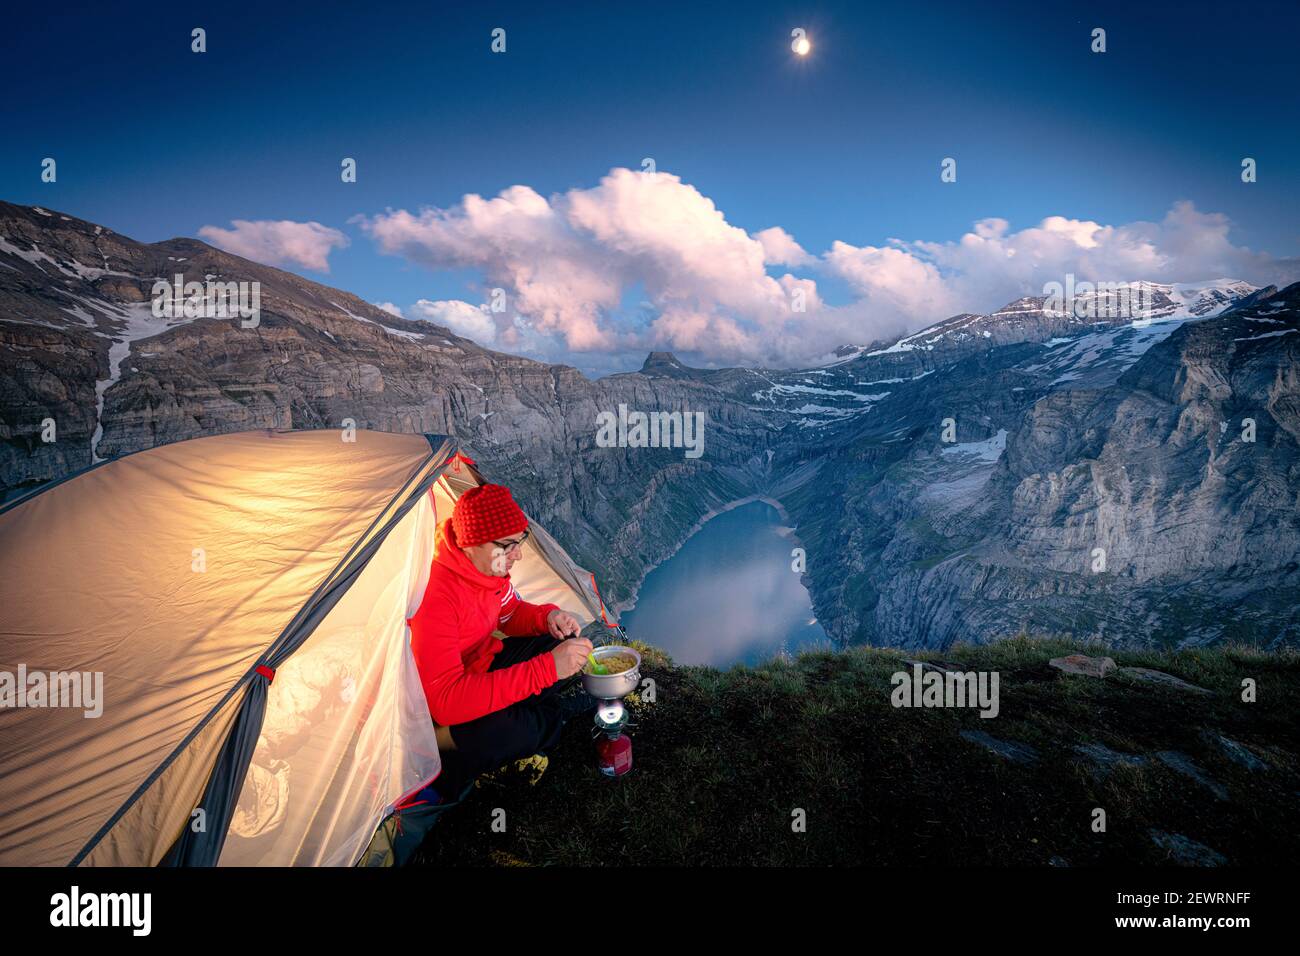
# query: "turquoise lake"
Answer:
x=729 y=595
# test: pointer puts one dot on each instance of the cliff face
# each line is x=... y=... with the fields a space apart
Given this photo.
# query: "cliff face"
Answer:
x=1157 y=504
x=1066 y=436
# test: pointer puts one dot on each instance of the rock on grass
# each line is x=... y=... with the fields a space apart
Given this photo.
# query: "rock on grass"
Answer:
x=1083 y=665
x=1106 y=759
x=1016 y=753
x=1185 y=851
x=1237 y=753
x=1189 y=768
x=1150 y=676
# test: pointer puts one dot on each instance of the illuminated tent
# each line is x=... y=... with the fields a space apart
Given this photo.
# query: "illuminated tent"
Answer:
x=245 y=599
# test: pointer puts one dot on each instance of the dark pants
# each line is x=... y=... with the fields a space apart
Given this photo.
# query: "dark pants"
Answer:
x=526 y=727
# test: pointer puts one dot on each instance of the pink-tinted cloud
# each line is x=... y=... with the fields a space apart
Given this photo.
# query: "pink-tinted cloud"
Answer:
x=278 y=243
x=907 y=285
x=564 y=264
x=780 y=249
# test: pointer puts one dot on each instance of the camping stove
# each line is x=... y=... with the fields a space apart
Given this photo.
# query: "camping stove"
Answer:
x=613 y=747
x=611 y=717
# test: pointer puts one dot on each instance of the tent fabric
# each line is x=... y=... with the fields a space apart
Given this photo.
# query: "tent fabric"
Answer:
x=204 y=848
x=347 y=728
x=170 y=572
x=175 y=572
x=148 y=826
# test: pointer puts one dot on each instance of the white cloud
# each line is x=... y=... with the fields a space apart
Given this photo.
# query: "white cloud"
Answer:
x=892 y=281
x=908 y=285
x=780 y=249
x=520 y=244
x=389 y=308
x=471 y=321
x=278 y=243
x=566 y=263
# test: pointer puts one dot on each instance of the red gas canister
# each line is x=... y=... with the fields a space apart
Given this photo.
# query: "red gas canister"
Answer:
x=614 y=755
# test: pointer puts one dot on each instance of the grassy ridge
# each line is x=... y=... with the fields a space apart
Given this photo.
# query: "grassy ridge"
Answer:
x=723 y=758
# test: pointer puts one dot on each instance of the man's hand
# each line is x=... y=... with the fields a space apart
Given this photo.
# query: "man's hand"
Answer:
x=562 y=624
x=570 y=656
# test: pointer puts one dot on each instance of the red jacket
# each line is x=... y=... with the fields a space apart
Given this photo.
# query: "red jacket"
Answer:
x=451 y=637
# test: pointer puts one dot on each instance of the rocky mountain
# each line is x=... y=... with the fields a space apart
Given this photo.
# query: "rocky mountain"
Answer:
x=1042 y=466
x=1135 y=484
x=818 y=398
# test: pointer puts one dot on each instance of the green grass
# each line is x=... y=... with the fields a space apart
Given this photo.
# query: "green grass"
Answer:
x=722 y=759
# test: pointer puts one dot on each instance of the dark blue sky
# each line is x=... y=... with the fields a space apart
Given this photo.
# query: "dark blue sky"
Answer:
x=154 y=141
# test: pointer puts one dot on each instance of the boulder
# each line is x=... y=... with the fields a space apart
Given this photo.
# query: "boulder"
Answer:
x=1185 y=851
x=1016 y=753
x=1185 y=765
x=1237 y=753
x=1161 y=678
x=1106 y=759
x=1084 y=665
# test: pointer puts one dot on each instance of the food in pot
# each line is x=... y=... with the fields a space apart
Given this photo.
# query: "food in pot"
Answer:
x=613 y=663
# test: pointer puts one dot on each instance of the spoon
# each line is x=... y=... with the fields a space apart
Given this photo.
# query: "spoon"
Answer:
x=596 y=666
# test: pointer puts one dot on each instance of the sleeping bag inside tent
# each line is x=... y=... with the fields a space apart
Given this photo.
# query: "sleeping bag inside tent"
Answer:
x=240 y=602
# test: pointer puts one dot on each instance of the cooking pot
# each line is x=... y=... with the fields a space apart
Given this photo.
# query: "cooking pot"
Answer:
x=612 y=686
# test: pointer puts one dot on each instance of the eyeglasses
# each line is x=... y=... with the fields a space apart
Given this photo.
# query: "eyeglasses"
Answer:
x=509 y=546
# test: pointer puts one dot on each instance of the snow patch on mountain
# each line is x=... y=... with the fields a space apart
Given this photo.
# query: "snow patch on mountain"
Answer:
x=1096 y=359
x=897 y=381
x=136 y=321
x=769 y=394
x=34 y=256
x=990 y=449
x=1136 y=301
x=400 y=333
x=72 y=268
x=1266 y=335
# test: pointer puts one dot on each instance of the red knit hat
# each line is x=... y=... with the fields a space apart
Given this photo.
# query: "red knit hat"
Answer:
x=486 y=513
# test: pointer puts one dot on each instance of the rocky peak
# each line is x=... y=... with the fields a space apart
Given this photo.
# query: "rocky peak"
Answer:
x=663 y=363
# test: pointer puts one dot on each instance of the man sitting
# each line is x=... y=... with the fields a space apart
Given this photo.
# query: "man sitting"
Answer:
x=491 y=701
